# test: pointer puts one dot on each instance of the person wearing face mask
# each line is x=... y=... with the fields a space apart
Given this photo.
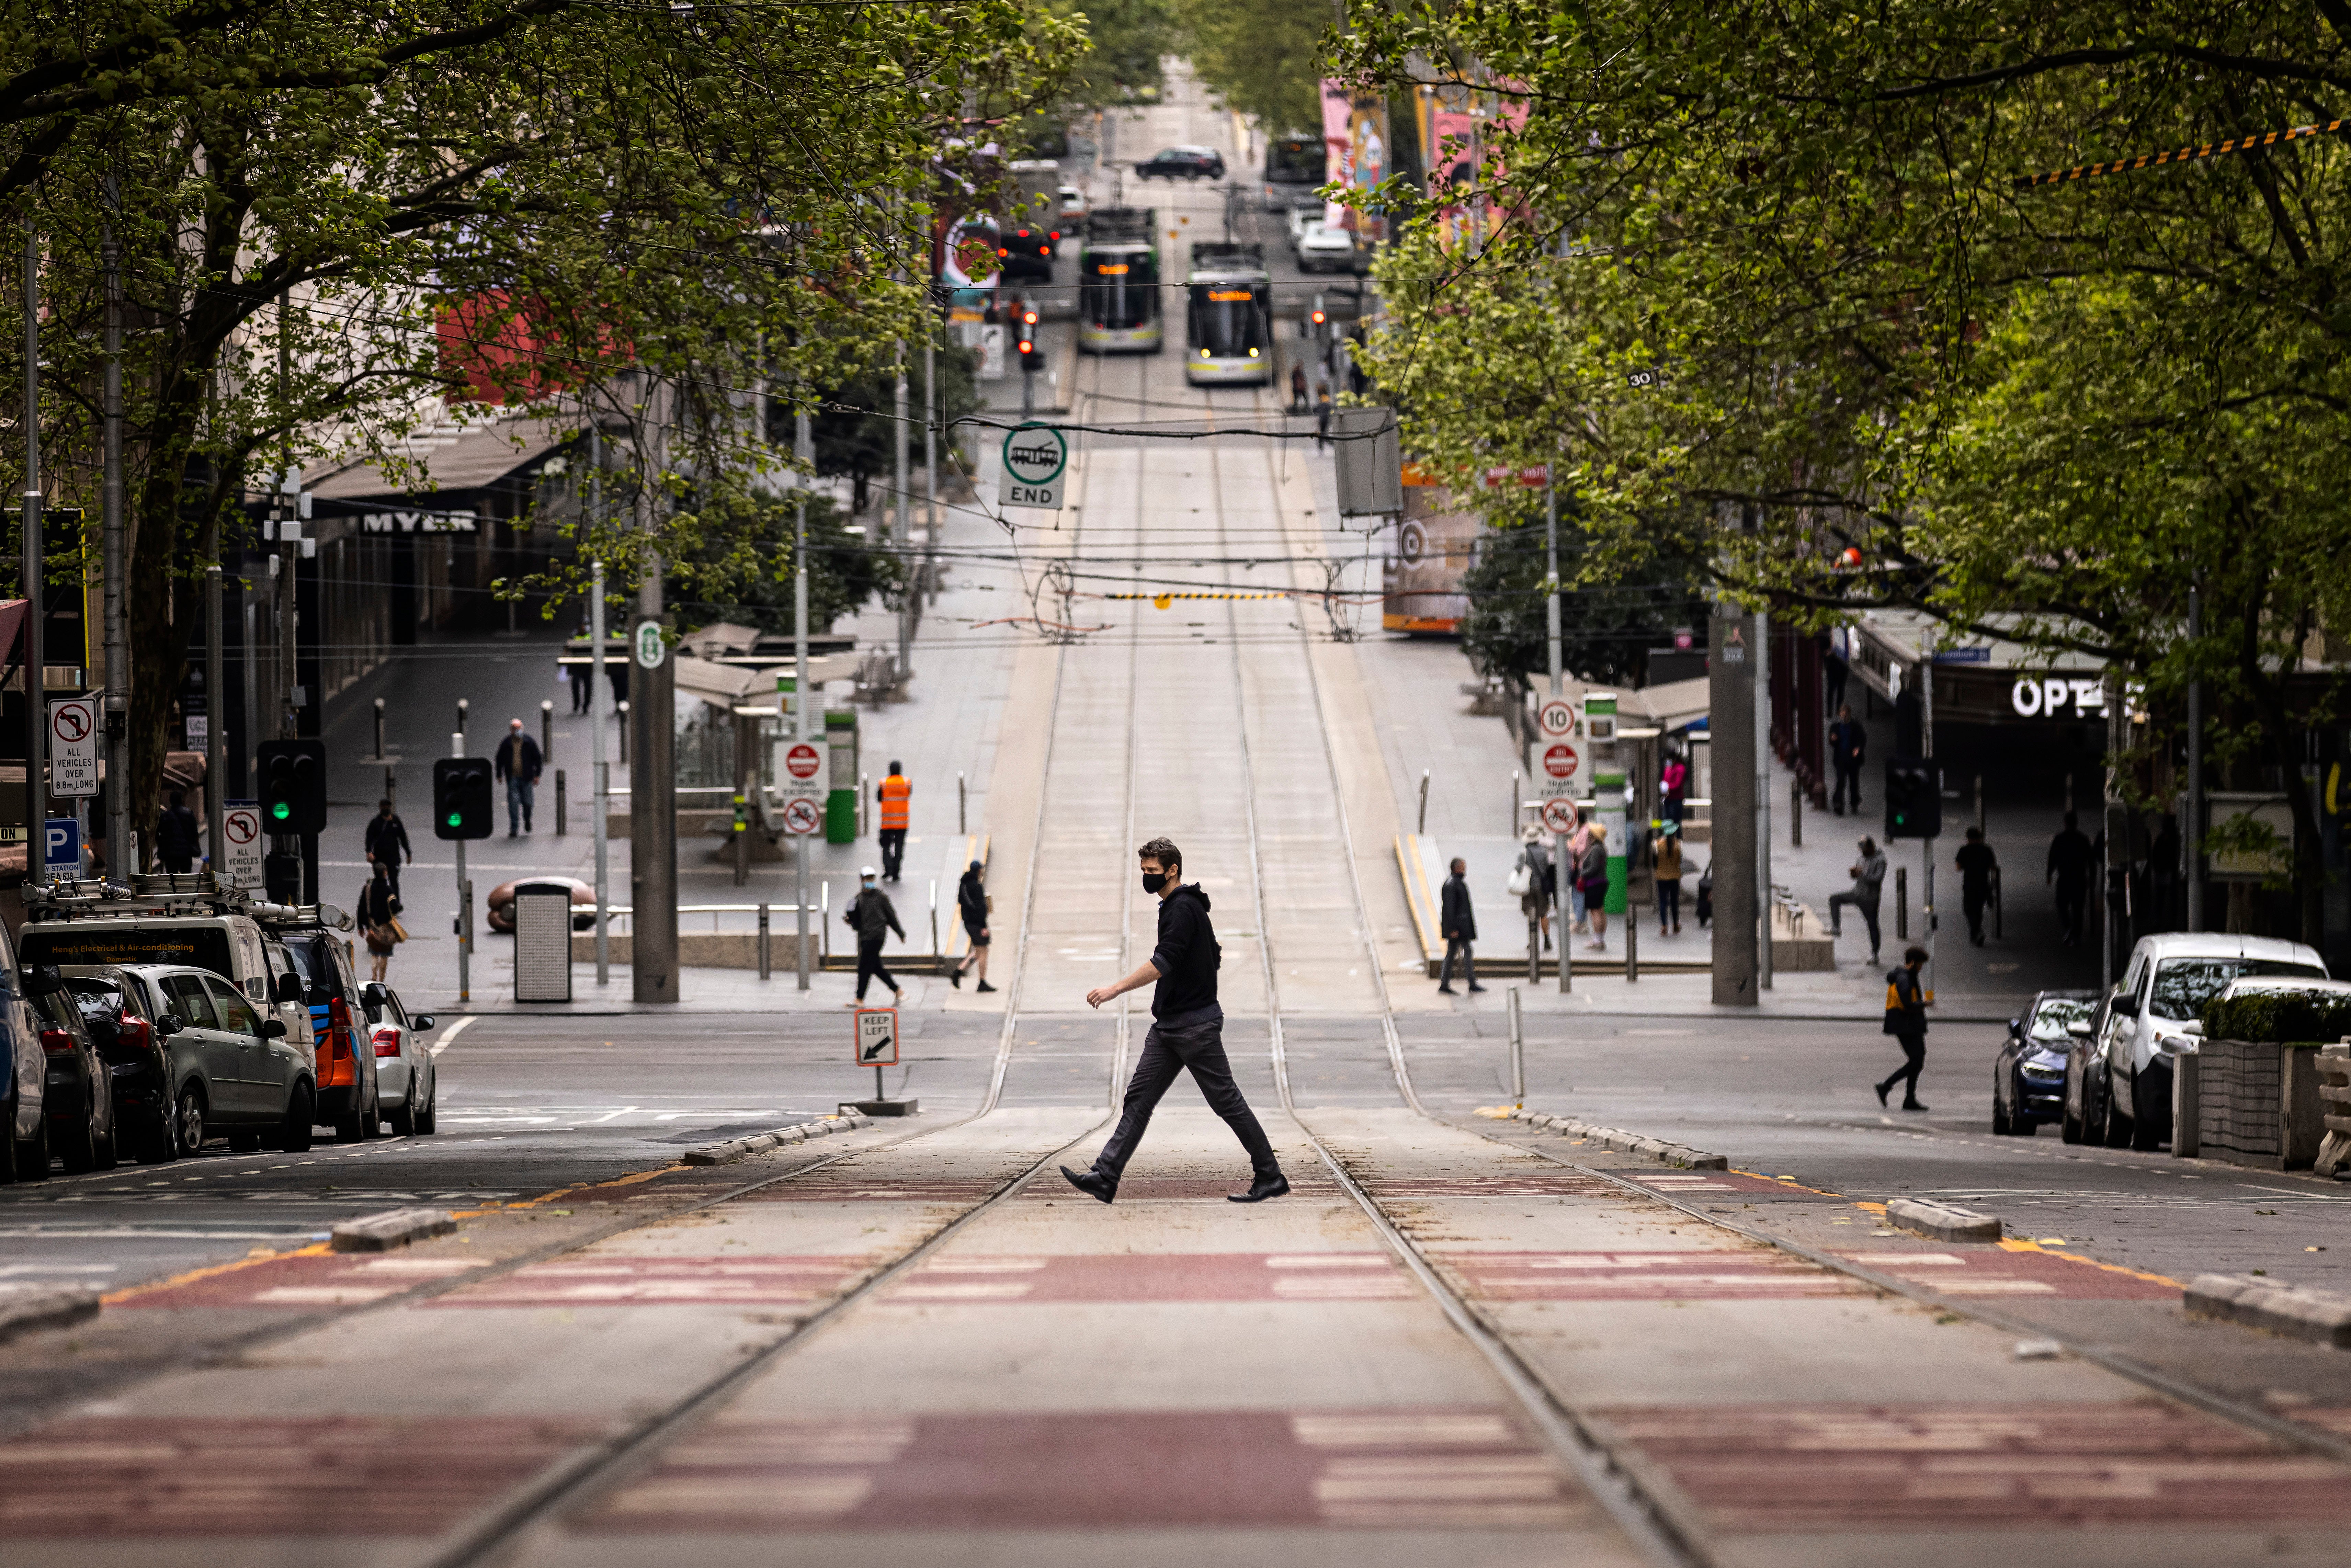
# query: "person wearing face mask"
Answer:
x=1187 y=1032
x=872 y=918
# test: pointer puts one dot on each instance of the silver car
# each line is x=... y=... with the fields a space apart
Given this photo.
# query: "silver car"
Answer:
x=407 y=1082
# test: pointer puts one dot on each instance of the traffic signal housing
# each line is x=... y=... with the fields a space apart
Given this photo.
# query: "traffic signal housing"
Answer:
x=292 y=785
x=1914 y=799
x=462 y=798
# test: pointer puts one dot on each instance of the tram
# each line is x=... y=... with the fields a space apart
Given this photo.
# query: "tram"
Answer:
x=1118 y=284
x=1229 y=316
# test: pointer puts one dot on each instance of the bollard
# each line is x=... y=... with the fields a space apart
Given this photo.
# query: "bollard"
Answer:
x=624 y=732
x=962 y=822
x=392 y=788
x=1518 y=1049
x=1515 y=806
x=861 y=785
x=1633 y=943
x=764 y=967
x=1795 y=814
x=562 y=824
x=1980 y=804
x=463 y=705
x=1902 y=904
x=546 y=727
x=1535 y=954
x=1423 y=829
x=379 y=729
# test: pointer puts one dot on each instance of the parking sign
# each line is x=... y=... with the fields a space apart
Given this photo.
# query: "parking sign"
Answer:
x=61 y=846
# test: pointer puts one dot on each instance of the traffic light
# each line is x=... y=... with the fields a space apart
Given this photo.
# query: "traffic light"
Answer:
x=462 y=806
x=292 y=785
x=1032 y=357
x=1914 y=799
x=1316 y=319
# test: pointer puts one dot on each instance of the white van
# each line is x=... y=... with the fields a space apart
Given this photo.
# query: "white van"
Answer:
x=2118 y=1088
x=234 y=946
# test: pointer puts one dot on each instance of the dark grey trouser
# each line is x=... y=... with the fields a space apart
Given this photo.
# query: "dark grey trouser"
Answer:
x=1468 y=962
x=868 y=968
x=1193 y=1040
x=1868 y=907
x=1914 y=1059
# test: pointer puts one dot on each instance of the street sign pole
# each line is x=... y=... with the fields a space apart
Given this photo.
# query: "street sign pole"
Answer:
x=804 y=449
x=464 y=900
x=602 y=785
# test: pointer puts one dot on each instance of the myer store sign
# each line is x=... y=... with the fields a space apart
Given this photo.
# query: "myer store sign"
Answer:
x=1035 y=462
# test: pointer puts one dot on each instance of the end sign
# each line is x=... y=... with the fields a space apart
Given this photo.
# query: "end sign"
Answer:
x=1036 y=461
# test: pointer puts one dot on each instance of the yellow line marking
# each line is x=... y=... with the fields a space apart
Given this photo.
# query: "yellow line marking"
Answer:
x=1786 y=1181
x=2019 y=1244
x=210 y=1271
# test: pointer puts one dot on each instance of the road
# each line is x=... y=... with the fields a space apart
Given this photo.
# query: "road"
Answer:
x=1455 y=1340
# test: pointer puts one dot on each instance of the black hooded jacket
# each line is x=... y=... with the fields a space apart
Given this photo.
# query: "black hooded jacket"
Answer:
x=1186 y=955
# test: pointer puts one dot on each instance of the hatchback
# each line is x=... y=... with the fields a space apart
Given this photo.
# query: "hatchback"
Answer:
x=404 y=1072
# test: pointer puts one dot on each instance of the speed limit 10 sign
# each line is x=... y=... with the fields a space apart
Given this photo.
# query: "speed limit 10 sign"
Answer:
x=1558 y=717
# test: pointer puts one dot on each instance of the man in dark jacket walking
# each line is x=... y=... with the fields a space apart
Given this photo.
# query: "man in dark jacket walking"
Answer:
x=1906 y=1021
x=1458 y=925
x=971 y=903
x=870 y=915
x=387 y=842
x=1187 y=1031
x=2072 y=860
x=517 y=763
x=175 y=836
x=1848 y=742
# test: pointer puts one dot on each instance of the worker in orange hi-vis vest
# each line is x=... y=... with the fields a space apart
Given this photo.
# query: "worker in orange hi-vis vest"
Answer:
x=894 y=793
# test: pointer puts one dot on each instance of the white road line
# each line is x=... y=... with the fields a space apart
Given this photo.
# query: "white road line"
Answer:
x=449 y=1035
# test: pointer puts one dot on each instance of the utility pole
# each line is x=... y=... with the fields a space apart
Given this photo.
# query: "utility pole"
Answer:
x=1763 y=796
x=653 y=774
x=36 y=595
x=804 y=449
x=1731 y=674
x=2193 y=831
x=931 y=411
x=122 y=858
x=1934 y=782
x=1562 y=874
x=598 y=696
x=215 y=717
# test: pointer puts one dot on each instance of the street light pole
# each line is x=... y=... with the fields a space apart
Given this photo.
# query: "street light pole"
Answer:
x=121 y=859
x=598 y=696
x=804 y=449
x=2194 y=827
x=1561 y=873
x=37 y=597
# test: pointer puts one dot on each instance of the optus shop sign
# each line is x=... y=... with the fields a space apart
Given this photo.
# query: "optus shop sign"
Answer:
x=2049 y=696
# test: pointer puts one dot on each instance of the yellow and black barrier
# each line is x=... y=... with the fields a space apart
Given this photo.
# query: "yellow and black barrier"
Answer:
x=2184 y=155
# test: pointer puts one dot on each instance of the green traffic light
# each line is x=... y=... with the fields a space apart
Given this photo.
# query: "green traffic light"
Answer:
x=281 y=810
x=456 y=818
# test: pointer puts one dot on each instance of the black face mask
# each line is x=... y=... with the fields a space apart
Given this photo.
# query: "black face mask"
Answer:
x=1152 y=880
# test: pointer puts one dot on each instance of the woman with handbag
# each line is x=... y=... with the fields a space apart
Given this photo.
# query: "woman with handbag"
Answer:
x=379 y=918
x=1533 y=880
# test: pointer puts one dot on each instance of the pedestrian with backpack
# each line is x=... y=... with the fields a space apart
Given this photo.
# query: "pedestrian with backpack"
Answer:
x=870 y=915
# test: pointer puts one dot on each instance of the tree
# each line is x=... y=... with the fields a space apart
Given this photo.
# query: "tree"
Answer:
x=1263 y=60
x=1771 y=284
x=1126 y=42
x=741 y=567
x=1606 y=629
x=856 y=428
x=334 y=229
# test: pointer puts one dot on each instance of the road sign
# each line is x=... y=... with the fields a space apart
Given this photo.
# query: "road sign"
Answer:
x=240 y=860
x=1561 y=760
x=648 y=644
x=1534 y=477
x=877 y=1037
x=1557 y=718
x=1559 y=815
x=803 y=814
x=1036 y=460
x=803 y=762
x=73 y=746
x=61 y=846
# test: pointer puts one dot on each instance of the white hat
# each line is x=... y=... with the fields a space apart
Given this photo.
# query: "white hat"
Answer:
x=867 y=870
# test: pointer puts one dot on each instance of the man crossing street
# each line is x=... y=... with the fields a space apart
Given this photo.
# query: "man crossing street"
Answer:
x=1458 y=925
x=873 y=917
x=387 y=842
x=893 y=792
x=1187 y=1032
x=1906 y=1021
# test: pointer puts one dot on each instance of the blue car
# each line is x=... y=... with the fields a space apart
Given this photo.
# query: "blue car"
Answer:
x=2028 y=1076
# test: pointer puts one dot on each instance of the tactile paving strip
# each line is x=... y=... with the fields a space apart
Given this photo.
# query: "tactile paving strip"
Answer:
x=1434 y=1469
x=162 y=1475
x=1946 y=1466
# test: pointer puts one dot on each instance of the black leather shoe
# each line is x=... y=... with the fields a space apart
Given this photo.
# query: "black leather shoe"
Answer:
x=1092 y=1183
x=1272 y=1185
x=1912 y=1105
x=1882 y=1088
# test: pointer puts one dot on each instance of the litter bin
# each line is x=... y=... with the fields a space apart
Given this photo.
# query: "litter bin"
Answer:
x=542 y=917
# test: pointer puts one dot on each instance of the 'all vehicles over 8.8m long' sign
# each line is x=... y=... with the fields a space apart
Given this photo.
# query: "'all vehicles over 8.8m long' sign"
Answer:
x=1035 y=462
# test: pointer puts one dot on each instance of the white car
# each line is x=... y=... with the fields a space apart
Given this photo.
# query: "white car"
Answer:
x=407 y=1081
x=1072 y=208
x=2118 y=1082
x=1322 y=247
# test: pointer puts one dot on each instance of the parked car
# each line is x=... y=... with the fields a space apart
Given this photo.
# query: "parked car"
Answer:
x=25 y=1129
x=2028 y=1075
x=350 y=1100
x=1323 y=249
x=2118 y=1078
x=405 y=1071
x=1183 y=163
x=121 y=1009
x=76 y=1091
